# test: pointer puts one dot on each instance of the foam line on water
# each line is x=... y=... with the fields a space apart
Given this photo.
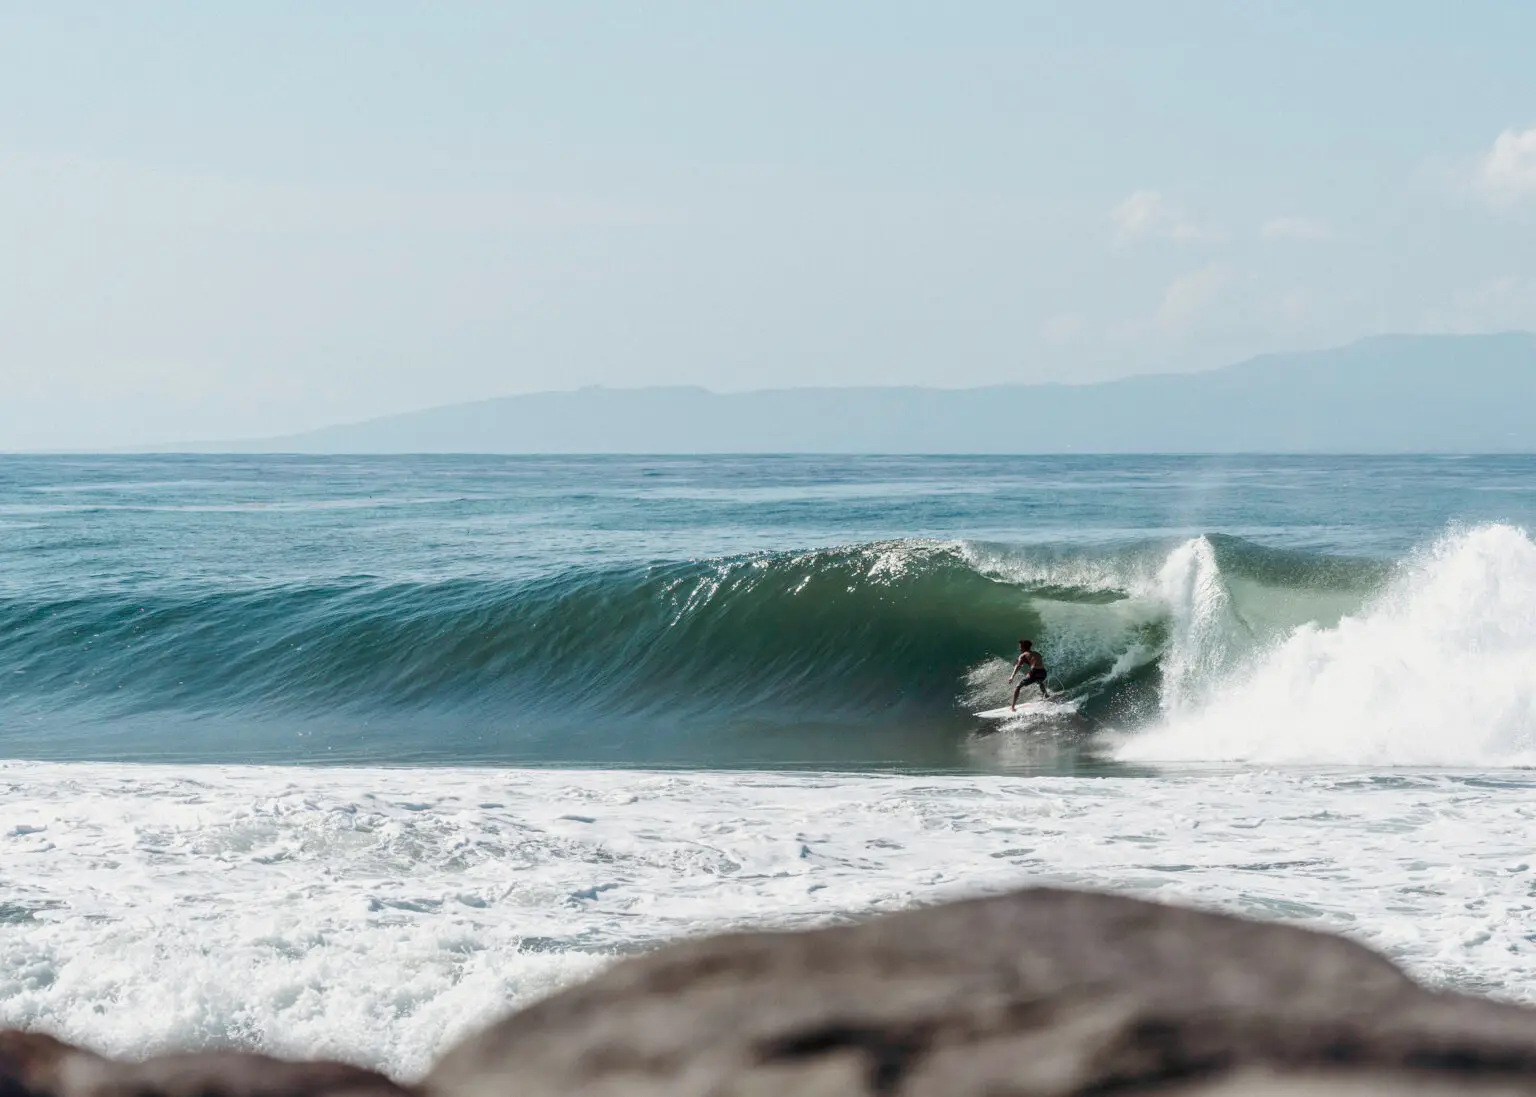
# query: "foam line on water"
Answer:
x=379 y=915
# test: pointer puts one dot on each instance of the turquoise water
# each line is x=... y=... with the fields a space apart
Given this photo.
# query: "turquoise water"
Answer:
x=592 y=705
x=696 y=612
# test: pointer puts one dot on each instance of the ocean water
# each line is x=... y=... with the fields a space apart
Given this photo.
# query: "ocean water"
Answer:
x=348 y=756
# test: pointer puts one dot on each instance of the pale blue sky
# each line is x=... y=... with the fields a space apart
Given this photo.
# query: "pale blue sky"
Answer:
x=221 y=220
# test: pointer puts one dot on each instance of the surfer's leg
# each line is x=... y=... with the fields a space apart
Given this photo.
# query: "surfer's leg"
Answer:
x=1015 y=702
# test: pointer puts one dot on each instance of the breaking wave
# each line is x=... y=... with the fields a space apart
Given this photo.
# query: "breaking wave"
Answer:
x=1213 y=648
x=1435 y=669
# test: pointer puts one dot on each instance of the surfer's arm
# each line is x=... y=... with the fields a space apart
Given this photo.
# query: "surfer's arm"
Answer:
x=1015 y=669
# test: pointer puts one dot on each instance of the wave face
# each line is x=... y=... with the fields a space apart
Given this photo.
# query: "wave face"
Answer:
x=837 y=630
x=1212 y=648
x=617 y=663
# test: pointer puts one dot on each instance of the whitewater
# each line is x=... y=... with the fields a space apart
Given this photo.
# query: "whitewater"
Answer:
x=377 y=915
x=1436 y=670
x=348 y=756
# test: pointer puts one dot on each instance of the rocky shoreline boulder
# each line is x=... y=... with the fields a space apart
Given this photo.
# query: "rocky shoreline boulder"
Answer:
x=1040 y=993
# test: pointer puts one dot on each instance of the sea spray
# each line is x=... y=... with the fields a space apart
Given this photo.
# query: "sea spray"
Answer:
x=1435 y=670
x=1205 y=633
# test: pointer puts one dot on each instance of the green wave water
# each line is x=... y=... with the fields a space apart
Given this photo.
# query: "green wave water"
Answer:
x=849 y=612
x=659 y=662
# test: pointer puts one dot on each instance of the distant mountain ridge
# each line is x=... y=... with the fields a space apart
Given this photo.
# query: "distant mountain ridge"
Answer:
x=1395 y=393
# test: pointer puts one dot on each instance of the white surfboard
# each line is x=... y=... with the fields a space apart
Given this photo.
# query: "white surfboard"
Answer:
x=1027 y=708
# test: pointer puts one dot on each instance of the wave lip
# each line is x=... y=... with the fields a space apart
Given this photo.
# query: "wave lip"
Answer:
x=1435 y=670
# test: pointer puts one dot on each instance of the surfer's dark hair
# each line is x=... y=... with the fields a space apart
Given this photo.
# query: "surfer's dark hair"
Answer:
x=1026 y=643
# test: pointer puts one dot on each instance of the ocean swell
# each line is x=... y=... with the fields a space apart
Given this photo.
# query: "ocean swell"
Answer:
x=1207 y=649
x=864 y=654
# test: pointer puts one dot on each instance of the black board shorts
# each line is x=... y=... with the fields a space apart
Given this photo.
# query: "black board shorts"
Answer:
x=1034 y=676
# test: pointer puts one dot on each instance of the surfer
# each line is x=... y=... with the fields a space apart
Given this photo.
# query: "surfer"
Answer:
x=1029 y=657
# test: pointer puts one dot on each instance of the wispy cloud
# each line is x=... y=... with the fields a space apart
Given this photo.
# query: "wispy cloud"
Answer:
x=1506 y=175
x=1296 y=228
x=1146 y=213
x=1188 y=296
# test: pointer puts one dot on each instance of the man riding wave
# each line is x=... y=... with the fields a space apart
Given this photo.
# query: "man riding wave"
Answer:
x=1028 y=657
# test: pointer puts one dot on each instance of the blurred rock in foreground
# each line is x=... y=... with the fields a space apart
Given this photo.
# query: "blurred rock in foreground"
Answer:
x=1036 y=993
x=34 y=1064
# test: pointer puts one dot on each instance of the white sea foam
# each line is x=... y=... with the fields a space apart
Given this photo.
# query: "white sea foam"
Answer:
x=377 y=915
x=1436 y=670
x=1205 y=635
